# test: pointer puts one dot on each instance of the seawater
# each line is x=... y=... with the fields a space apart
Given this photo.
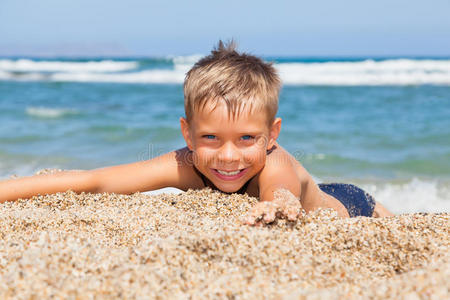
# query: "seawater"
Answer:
x=383 y=124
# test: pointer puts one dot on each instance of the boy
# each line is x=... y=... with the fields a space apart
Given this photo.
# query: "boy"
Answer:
x=230 y=129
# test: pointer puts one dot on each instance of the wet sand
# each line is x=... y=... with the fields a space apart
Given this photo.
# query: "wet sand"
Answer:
x=193 y=245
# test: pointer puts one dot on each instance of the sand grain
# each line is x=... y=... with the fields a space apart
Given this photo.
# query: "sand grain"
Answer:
x=193 y=245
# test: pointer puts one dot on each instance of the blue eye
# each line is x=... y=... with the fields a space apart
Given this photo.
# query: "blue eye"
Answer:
x=209 y=136
x=247 y=137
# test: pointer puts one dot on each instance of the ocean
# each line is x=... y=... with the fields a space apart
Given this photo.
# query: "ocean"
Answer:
x=383 y=123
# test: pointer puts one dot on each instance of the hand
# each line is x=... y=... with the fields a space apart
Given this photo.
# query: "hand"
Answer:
x=284 y=206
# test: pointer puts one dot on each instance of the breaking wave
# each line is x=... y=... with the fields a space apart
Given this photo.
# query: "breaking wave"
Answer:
x=27 y=65
x=368 y=72
x=343 y=73
x=48 y=112
x=416 y=195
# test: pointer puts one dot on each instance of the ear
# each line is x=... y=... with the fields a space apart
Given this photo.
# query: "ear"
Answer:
x=186 y=132
x=274 y=132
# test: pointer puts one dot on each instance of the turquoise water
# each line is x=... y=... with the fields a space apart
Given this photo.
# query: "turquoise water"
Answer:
x=383 y=124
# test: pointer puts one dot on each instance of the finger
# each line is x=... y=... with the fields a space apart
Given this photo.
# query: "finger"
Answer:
x=257 y=210
x=292 y=215
x=248 y=220
x=269 y=215
x=290 y=205
x=254 y=223
x=258 y=224
x=294 y=212
x=255 y=214
x=280 y=203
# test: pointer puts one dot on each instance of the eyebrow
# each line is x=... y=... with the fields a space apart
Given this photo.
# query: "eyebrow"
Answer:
x=249 y=132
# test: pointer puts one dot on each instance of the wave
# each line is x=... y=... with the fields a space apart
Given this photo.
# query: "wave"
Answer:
x=416 y=195
x=368 y=72
x=397 y=72
x=27 y=65
x=48 y=112
x=149 y=76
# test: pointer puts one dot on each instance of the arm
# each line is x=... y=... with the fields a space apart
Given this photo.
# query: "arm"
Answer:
x=279 y=195
x=311 y=196
x=26 y=187
x=296 y=190
x=163 y=171
x=167 y=170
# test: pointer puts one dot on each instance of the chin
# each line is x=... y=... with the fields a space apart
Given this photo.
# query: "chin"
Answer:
x=229 y=189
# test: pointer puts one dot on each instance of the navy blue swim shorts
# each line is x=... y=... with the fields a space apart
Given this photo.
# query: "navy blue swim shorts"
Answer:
x=356 y=201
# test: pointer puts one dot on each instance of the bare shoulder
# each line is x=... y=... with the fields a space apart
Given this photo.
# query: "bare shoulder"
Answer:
x=280 y=159
x=284 y=165
x=280 y=171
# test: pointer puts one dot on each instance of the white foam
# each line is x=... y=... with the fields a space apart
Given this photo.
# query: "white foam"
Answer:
x=149 y=76
x=48 y=112
x=389 y=72
x=27 y=65
x=23 y=77
x=413 y=196
x=368 y=72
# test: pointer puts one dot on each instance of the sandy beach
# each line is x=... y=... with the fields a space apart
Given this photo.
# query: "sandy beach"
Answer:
x=192 y=245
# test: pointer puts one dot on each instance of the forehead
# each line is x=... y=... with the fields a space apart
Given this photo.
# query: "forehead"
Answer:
x=218 y=115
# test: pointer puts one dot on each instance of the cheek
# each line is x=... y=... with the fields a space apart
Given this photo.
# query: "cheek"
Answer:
x=203 y=156
x=262 y=141
x=254 y=155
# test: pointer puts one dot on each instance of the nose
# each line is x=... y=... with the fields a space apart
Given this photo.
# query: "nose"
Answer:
x=229 y=153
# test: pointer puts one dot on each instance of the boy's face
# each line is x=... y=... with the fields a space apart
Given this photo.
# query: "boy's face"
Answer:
x=229 y=151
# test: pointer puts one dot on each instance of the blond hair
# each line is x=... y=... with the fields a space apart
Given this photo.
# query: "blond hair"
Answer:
x=237 y=79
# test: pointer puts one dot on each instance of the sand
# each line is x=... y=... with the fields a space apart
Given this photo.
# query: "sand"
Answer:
x=193 y=245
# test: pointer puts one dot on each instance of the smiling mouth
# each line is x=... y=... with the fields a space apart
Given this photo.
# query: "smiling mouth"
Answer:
x=229 y=173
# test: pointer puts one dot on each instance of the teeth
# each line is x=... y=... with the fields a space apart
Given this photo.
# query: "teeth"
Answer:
x=228 y=173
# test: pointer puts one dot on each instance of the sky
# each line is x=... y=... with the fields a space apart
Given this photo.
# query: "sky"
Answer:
x=281 y=28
